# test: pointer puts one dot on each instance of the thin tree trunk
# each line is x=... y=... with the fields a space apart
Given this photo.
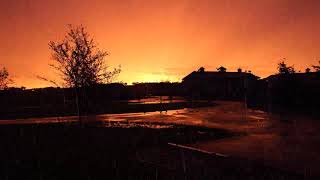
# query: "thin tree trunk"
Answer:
x=77 y=104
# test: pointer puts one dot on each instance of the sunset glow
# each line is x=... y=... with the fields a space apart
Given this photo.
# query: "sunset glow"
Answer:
x=163 y=40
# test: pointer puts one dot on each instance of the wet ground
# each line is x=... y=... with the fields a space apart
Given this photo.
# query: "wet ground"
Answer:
x=287 y=141
x=158 y=99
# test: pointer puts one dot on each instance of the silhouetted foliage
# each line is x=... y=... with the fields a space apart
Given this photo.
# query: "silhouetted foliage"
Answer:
x=79 y=61
x=284 y=69
x=316 y=67
x=4 y=78
x=222 y=69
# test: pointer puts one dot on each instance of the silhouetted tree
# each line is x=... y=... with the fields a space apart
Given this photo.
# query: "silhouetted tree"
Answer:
x=284 y=69
x=222 y=69
x=316 y=67
x=79 y=61
x=4 y=78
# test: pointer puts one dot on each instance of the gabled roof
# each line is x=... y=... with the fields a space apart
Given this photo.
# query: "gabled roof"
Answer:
x=216 y=74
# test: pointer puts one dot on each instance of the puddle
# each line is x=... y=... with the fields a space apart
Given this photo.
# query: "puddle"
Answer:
x=137 y=125
x=256 y=117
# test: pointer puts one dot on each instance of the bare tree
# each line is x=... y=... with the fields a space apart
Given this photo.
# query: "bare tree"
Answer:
x=4 y=78
x=284 y=69
x=79 y=61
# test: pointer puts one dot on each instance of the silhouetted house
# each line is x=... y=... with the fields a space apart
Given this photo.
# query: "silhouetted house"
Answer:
x=219 y=84
x=296 y=90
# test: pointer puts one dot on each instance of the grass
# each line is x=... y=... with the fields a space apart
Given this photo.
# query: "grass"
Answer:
x=100 y=151
x=55 y=151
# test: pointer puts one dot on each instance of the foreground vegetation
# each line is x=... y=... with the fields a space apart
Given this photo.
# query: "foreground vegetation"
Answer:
x=93 y=151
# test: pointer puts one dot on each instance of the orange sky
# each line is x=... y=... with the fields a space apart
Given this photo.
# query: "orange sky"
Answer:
x=158 y=40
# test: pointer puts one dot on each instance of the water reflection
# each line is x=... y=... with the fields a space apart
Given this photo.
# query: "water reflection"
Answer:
x=136 y=125
x=267 y=136
x=210 y=116
x=158 y=99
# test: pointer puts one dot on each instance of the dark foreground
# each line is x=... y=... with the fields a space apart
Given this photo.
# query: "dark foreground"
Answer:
x=93 y=151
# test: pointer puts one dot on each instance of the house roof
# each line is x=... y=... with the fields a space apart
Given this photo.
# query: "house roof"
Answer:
x=216 y=74
x=297 y=76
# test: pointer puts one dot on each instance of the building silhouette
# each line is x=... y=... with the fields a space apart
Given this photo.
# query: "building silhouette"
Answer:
x=292 y=91
x=219 y=84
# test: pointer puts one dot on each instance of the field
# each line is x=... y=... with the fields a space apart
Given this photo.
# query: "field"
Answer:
x=224 y=141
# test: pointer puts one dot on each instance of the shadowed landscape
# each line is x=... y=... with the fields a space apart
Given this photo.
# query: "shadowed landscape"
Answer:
x=173 y=144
